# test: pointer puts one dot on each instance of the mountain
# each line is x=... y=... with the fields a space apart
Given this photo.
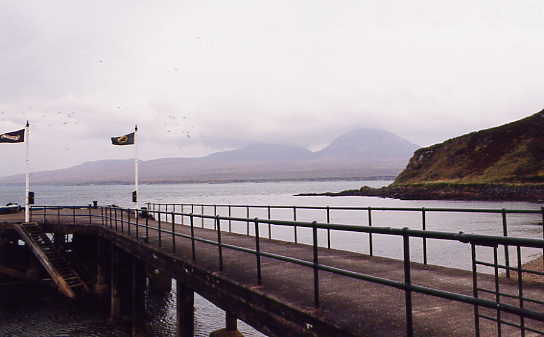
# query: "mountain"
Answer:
x=369 y=143
x=358 y=154
x=501 y=163
x=511 y=153
x=263 y=152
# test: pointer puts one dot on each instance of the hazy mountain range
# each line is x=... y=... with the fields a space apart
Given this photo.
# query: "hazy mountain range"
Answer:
x=360 y=153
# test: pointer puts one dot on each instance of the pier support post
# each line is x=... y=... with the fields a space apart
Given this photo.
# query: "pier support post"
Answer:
x=159 y=281
x=3 y=250
x=231 y=329
x=59 y=240
x=34 y=269
x=138 y=298
x=101 y=286
x=185 y=298
x=231 y=321
x=115 y=291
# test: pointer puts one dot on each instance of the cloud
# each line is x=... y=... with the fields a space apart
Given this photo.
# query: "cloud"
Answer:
x=204 y=76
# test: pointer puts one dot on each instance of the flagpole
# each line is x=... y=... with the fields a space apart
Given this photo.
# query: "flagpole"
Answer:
x=136 y=169
x=27 y=173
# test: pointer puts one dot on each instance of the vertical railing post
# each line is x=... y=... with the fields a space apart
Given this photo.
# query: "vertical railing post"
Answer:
x=137 y=225
x=160 y=230
x=506 y=253
x=214 y=214
x=295 y=220
x=247 y=222
x=44 y=212
x=191 y=218
x=147 y=227
x=115 y=217
x=122 y=220
x=219 y=245
x=202 y=213
x=173 y=232
x=316 y=265
x=497 y=290
x=128 y=222
x=407 y=284
x=269 y=224
x=328 y=229
x=90 y=216
x=520 y=292
x=370 y=243
x=475 y=290
x=424 y=227
x=542 y=211
x=230 y=221
x=182 y=216
x=258 y=252
x=101 y=216
x=73 y=214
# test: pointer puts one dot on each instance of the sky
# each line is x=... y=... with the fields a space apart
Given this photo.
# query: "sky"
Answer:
x=205 y=76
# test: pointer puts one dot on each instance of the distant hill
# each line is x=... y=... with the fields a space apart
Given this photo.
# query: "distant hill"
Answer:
x=369 y=143
x=263 y=152
x=511 y=153
x=358 y=154
x=501 y=163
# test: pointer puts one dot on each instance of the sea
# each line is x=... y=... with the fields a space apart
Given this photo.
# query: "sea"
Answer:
x=41 y=311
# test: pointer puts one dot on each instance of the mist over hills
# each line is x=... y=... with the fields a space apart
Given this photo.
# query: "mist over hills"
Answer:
x=372 y=143
x=357 y=154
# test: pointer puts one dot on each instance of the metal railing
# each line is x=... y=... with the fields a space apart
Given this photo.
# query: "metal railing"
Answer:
x=61 y=212
x=168 y=237
x=328 y=212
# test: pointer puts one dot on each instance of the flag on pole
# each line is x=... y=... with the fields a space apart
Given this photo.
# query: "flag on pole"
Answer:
x=123 y=140
x=130 y=139
x=13 y=137
x=22 y=136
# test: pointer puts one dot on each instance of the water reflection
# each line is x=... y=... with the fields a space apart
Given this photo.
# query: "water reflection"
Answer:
x=31 y=311
x=208 y=318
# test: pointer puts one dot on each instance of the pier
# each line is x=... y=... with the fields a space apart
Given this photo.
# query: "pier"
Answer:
x=280 y=288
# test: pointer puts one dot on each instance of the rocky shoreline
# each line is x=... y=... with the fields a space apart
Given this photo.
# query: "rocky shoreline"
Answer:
x=447 y=191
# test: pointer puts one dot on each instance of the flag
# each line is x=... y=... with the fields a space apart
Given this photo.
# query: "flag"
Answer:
x=13 y=137
x=123 y=140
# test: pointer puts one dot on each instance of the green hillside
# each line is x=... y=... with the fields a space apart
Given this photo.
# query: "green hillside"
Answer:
x=509 y=154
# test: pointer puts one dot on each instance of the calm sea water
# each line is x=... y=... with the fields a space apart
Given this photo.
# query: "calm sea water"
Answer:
x=45 y=313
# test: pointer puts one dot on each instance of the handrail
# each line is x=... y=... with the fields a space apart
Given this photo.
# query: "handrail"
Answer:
x=112 y=217
x=354 y=208
x=398 y=231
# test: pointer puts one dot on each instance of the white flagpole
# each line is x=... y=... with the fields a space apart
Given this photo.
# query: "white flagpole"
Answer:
x=27 y=173
x=136 y=169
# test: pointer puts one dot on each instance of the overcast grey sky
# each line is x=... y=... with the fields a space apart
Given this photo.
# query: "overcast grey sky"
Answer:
x=202 y=76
